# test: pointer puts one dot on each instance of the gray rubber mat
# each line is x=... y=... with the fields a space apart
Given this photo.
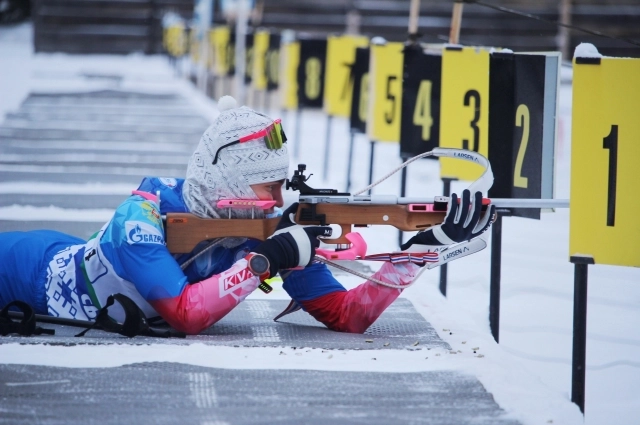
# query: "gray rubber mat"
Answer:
x=63 y=200
x=251 y=325
x=105 y=96
x=170 y=393
x=83 y=230
x=9 y=173
x=74 y=114
x=115 y=134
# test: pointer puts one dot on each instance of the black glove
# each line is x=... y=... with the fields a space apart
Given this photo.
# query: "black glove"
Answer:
x=291 y=245
x=462 y=222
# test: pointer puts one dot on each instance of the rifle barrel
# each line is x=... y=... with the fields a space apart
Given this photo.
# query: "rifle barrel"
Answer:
x=529 y=203
x=391 y=200
x=499 y=202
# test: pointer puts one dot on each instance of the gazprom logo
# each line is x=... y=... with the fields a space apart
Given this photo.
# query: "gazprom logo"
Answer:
x=141 y=232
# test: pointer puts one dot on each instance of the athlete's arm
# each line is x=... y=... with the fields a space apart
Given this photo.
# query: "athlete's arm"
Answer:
x=200 y=305
x=141 y=257
x=354 y=310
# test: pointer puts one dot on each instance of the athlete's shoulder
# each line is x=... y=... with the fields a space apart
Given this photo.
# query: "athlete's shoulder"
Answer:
x=170 y=191
x=136 y=220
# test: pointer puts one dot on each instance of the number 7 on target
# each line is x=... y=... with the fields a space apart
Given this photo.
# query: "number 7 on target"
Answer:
x=605 y=153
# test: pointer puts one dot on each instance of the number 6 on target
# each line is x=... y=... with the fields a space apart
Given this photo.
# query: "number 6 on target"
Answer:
x=605 y=153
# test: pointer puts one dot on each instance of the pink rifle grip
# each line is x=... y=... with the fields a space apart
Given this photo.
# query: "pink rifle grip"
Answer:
x=358 y=249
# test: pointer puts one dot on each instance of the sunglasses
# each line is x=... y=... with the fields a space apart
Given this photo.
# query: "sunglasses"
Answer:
x=273 y=134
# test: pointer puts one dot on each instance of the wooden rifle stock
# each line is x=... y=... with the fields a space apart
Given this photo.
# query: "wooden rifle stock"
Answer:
x=184 y=231
x=348 y=215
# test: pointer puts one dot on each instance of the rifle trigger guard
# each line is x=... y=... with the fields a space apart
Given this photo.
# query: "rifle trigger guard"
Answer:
x=357 y=251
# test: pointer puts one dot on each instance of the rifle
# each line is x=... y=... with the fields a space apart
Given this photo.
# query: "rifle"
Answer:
x=330 y=207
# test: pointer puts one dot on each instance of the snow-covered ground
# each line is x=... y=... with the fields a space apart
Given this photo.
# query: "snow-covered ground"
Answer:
x=529 y=372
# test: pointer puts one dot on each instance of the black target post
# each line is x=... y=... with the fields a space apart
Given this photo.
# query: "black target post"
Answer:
x=578 y=361
x=403 y=191
x=327 y=148
x=373 y=149
x=265 y=101
x=352 y=136
x=496 y=263
x=297 y=142
x=446 y=191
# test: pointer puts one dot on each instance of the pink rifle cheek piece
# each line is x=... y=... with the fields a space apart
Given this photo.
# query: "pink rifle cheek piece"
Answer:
x=245 y=204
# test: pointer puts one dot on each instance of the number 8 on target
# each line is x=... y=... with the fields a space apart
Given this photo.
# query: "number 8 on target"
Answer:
x=605 y=153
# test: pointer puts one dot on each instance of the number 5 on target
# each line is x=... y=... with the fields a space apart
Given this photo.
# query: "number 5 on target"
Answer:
x=385 y=92
x=605 y=153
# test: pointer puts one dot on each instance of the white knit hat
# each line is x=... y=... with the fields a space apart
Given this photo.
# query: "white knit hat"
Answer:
x=237 y=167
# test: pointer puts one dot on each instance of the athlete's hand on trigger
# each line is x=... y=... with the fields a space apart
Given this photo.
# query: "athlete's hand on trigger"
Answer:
x=291 y=245
x=464 y=221
x=288 y=217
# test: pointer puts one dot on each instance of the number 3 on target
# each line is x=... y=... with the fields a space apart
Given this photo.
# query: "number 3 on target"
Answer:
x=473 y=94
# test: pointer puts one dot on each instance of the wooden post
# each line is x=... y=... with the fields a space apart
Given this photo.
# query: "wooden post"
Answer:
x=242 y=16
x=414 y=15
x=456 y=21
x=563 y=37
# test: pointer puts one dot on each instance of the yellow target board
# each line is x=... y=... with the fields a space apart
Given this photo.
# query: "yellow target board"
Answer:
x=194 y=46
x=176 y=41
x=605 y=153
x=464 y=108
x=338 y=87
x=260 y=47
x=219 y=37
x=290 y=60
x=385 y=92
